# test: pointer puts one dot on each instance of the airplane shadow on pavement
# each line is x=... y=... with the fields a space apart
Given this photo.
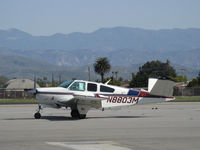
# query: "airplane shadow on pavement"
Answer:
x=64 y=118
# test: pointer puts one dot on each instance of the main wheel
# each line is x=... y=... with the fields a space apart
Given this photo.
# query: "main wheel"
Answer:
x=75 y=113
x=37 y=115
x=82 y=116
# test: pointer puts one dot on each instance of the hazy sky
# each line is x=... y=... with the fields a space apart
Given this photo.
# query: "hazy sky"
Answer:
x=46 y=17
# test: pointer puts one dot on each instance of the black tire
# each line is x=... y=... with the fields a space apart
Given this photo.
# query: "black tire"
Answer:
x=75 y=113
x=82 y=116
x=37 y=115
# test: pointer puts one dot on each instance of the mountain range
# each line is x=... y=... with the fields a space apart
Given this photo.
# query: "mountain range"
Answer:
x=106 y=39
x=125 y=47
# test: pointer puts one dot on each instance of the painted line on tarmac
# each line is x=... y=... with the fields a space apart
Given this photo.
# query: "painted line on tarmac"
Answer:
x=89 y=145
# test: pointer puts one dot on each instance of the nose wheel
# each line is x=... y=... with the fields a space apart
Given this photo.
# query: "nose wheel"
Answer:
x=37 y=115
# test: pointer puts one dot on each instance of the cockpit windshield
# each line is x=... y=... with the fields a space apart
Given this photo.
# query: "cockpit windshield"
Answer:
x=66 y=84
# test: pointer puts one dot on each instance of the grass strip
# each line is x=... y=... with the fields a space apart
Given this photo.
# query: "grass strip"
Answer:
x=187 y=99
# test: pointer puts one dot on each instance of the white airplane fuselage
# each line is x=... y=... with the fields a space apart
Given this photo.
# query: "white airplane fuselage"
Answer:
x=82 y=95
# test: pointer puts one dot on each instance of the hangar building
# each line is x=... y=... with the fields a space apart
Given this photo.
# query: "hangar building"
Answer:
x=20 y=84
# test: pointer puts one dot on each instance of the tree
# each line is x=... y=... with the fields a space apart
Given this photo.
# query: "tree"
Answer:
x=158 y=69
x=195 y=82
x=113 y=81
x=198 y=78
x=102 y=66
x=154 y=69
x=3 y=80
x=180 y=79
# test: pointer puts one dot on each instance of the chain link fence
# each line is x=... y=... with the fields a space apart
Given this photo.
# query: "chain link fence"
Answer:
x=15 y=94
x=186 y=91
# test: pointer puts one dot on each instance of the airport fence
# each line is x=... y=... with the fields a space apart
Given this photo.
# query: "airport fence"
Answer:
x=15 y=94
x=186 y=91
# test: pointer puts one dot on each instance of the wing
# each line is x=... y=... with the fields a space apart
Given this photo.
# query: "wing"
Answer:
x=82 y=103
x=91 y=101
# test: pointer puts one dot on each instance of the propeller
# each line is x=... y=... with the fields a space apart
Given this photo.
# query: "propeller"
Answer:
x=34 y=90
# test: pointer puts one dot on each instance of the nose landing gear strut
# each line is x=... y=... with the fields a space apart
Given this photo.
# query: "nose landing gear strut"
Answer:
x=37 y=115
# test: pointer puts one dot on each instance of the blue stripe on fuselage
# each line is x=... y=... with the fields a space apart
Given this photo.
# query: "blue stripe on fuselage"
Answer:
x=133 y=93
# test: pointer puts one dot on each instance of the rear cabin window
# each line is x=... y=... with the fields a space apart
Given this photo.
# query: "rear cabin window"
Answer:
x=106 y=89
x=78 y=86
x=92 y=87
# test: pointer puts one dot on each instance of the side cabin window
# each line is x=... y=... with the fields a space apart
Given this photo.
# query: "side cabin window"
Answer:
x=78 y=86
x=106 y=89
x=92 y=87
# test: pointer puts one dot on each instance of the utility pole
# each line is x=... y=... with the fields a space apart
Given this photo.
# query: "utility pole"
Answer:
x=89 y=73
x=60 y=79
x=113 y=75
x=52 y=80
x=116 y=74
x=34 y=86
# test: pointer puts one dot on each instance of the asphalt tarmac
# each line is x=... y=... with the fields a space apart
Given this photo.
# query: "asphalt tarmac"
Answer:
x=173 y=126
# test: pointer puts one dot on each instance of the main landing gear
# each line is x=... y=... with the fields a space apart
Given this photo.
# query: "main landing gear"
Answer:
x=155 y=108
x=76 y=114
x=37 y=115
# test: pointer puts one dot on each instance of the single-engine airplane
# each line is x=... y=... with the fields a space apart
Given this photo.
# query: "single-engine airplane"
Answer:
x=82 y=95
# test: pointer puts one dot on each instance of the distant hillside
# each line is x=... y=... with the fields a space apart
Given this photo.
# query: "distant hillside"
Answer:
x=189 y=58
x=106 y=39
x=126 y=57
x=22 y=55
x=21 y=67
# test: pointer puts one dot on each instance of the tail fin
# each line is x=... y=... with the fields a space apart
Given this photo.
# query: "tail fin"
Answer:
x=160 y=87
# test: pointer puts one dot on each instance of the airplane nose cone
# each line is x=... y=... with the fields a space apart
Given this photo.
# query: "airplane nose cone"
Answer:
x=34 y=91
